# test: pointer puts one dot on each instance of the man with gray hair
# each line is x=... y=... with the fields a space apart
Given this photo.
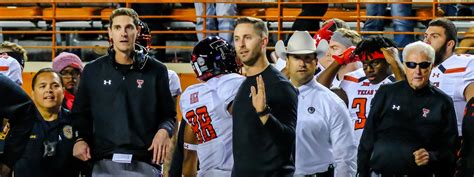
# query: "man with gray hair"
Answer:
x=411 y=129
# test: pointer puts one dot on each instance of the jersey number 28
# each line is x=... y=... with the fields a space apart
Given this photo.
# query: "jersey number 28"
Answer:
x=201 y=124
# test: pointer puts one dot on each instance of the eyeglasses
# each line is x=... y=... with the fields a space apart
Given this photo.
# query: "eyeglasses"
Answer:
x=423 y=65
x=72 y=73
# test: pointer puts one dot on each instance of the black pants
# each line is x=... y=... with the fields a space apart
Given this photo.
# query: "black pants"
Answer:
x=176 y=167
x=465 y=173
x=392 y=175
x=329 y=173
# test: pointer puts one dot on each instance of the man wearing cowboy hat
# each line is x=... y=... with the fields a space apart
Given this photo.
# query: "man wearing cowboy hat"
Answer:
x=324 y=136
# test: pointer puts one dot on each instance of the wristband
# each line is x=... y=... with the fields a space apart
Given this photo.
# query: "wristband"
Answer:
x=265 y=111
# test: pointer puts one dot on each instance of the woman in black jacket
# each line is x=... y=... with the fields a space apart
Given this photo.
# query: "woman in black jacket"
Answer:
x=466 y=162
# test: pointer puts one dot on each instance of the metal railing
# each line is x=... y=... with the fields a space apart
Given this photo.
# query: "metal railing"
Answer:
x=279 y=4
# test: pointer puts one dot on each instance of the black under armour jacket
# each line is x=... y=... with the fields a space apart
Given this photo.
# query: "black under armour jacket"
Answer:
x=466 y=161
x=120 y=112
x=21 y=112
x=403 y=120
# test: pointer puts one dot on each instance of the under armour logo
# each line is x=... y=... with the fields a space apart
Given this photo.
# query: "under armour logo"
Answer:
x=396 y=107
x=107 y=82
x=140 y=83
x=318 y=39
x=435 y=75
x=425 y=112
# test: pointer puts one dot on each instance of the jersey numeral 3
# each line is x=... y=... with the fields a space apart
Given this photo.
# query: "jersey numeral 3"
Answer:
x=361 y=103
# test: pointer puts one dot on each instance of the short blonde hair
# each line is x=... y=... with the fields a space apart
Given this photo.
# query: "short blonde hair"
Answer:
x=350 y=34
x=258 y=24
x=14 y=47
x=338 y=24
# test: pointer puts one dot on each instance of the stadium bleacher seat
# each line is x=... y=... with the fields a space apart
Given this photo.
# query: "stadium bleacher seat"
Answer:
x=186 y=14
x=12 y=11
x=105 y=13
x=82 y=13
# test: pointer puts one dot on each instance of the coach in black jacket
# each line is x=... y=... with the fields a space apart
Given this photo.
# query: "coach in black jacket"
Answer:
x=466 y=162
x=17 y=106
x=411 y=128
x=123 y=108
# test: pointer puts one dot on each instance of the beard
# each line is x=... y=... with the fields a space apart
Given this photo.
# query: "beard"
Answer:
x=253 y=58
x=439 y=55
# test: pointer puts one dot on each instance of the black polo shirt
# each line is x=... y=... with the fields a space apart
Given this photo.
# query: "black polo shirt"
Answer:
x=265 y=150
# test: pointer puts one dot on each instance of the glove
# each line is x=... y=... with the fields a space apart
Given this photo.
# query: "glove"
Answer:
x=346 y=57
x=324 y=33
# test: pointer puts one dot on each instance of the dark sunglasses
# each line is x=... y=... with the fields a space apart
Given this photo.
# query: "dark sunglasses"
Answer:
x=412 y=65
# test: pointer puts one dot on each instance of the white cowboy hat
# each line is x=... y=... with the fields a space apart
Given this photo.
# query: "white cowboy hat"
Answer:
x=301 y=43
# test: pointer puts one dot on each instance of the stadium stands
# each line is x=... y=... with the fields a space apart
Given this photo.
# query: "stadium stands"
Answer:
x=67 y=22
x=45 y=27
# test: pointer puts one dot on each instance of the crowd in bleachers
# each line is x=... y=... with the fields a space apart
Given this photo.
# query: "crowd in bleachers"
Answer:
x=182 y=18
x=386 y=106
